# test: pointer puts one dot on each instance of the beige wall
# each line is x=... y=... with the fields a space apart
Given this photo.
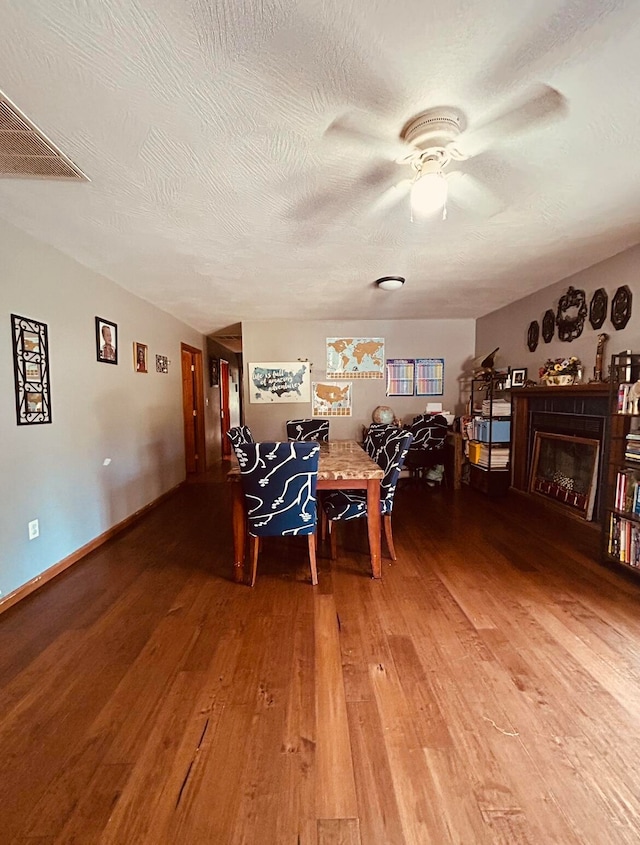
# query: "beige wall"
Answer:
x=507 y=328
x=280 y=340
x=55 y=473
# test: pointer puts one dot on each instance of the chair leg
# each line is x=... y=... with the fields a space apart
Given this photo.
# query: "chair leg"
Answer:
x=333 y=540
x=254 y=549
x=312 y=559
x=389 y=535
x=323 y=525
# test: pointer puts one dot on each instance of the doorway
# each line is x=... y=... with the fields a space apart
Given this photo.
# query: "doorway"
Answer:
x=193 y=409
x=225 y=413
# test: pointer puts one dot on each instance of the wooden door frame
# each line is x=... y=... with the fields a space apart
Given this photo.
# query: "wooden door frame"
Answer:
x=224 y=388
x=199 y=402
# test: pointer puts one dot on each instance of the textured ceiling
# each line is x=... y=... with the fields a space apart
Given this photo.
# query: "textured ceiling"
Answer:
x=217 y=195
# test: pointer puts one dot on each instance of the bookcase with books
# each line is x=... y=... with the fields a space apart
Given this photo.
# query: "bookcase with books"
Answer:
x=489 y=434
x=621 y=525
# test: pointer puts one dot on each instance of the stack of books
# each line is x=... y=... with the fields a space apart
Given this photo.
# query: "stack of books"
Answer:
x=499 y=408
x=499 y=457
x=632 y=447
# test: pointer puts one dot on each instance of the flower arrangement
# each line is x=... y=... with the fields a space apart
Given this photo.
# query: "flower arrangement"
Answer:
x=560 y=367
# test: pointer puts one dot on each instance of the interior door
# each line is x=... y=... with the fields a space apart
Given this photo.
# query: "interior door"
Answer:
x=193 y=409
x=225 y=416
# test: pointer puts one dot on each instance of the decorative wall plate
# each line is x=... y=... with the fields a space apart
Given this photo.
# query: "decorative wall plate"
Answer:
x=548 y=325
x=598 y=308
x=533 y=335
x=621 y=307
x=572 y=310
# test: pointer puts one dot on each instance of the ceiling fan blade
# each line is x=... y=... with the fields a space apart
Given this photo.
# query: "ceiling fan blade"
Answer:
x=542 y=105
x=472 y=195
x=343 y=131
x=391 y=197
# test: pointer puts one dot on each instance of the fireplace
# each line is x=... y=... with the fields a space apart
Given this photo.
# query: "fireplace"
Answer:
x=564 y=470
x=546 y=421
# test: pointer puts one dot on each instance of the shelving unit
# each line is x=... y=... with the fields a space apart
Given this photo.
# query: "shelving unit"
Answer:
x=621 y=525
x=490 y=436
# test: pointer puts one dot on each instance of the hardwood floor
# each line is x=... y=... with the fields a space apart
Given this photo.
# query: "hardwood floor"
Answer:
x=487 y=690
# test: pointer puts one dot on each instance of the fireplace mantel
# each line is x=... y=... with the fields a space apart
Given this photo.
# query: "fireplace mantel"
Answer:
x=574 y=400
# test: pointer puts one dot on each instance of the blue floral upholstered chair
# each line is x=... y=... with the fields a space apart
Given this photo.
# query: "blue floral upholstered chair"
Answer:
x=308 y=430
x=240 y=434
x=352 y=504
x=279 y=485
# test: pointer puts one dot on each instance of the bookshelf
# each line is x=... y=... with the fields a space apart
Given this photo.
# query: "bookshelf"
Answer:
x=489 y=447
x=621 y=523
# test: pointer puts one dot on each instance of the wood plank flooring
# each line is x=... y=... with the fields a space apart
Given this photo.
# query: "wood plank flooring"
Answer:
x=486 y=690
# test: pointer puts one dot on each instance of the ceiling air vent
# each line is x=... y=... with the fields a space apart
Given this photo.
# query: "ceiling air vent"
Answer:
x=26 y=152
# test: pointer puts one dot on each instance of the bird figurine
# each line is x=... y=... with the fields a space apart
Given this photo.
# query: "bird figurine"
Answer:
x=487 y=365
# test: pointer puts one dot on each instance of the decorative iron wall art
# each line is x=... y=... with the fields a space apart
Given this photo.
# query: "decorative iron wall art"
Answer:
x=621 y=307
x=548 y=325
x=598 y=308
x=533 y=335
x=570 y=317
x=31 y=370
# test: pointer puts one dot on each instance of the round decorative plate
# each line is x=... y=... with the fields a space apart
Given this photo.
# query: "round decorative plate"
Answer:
x=533 y=335
x=621 y=307
x=598 y=308
x=548 y=325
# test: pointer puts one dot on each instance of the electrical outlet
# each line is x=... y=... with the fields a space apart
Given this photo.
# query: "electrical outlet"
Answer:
x=34 y=529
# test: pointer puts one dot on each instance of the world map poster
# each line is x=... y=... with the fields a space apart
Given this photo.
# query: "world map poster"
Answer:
x=355 y=357
x=279 y=382
x=331 y=399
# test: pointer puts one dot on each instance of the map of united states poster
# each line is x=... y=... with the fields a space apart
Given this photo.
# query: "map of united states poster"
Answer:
x=279 y=382
x=355 y=357
x=331 y=399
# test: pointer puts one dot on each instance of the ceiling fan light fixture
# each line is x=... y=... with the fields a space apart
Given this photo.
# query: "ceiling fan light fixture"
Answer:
x=390 y=282
x=429 y=194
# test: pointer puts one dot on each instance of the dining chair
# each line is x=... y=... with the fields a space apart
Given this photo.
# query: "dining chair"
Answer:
x=240 y=434
x=308 y=430
x=374 y=438
x=428 y=447
x=352 y=504
x=279 y=485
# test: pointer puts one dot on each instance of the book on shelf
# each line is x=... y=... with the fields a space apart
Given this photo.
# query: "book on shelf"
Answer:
x=627 y=491
x=628 y=398
x=624 y=540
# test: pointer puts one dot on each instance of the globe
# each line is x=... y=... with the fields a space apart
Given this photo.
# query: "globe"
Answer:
x=383 y=414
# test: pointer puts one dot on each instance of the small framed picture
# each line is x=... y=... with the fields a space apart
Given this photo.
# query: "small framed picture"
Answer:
x=106 y=341
x=31 y=370
x=140 y=357
x=518 y=377
x=214 y=371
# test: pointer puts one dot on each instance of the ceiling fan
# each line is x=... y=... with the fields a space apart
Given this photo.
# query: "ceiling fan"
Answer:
x=433 y=140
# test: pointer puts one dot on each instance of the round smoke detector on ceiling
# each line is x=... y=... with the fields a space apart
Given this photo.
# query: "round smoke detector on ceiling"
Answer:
x=390 y=282
x=433 y=128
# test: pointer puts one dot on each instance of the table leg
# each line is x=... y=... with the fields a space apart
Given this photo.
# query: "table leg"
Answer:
x=373 y=524
x=239 y=532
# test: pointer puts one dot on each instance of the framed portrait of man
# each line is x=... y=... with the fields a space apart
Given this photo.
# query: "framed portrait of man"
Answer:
x=106 y=341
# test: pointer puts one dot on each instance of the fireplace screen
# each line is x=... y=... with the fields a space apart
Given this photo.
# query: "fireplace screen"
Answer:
x=565 y=470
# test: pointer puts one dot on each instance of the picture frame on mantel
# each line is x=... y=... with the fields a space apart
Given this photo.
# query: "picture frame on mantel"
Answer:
x=518 y=377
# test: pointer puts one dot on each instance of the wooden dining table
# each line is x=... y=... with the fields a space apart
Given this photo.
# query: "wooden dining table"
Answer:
x=343 y=465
